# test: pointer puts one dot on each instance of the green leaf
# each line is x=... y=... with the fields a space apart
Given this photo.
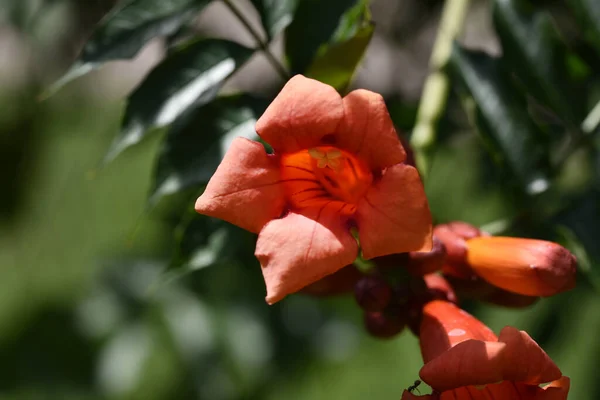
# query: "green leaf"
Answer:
x=502 y=119
x=195 y=145
x=188 y=78
x=317 y=23
x=585 y=263
x=274 y=14
x=587 y=13
x=123 y=33
x=205 y=242
x=533 y=49
x=337 y=63
x=578 y=225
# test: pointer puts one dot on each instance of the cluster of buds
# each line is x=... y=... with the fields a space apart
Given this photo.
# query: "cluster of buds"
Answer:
x=421 y=291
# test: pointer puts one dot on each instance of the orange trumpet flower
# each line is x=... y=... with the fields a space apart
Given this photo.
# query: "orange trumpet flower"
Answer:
x=465 y=360
x=529 y=267
x=337 y=164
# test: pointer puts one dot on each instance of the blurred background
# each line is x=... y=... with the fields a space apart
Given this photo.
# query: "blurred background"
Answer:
x=94 y=300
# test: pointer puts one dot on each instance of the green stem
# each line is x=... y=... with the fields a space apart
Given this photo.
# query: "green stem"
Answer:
x=263 y=45
x=435 y=89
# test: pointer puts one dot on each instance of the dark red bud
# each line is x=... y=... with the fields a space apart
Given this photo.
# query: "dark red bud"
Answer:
x=382 y=325
x=504 y=298
x=471 y=288
x=423 y=263
x=435 y=287
x=464 y=230
x=372 y=293
x=454 y=235
x=399 y=260
x=456 y=247
x=414 y=315
x=340 y=282
x=439 y=288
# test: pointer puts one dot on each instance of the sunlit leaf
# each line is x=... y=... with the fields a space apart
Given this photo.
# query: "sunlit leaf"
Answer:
x=501 y=116
x=579 y=227
x=585 y=264
x=123 y=33
x=317 y=23
x=534 y=51
x=205 y=242
x=337 y=63
x=196 y=144
x=274 y=14
x=188 y=78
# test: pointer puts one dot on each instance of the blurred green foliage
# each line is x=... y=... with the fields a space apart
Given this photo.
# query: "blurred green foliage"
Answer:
x=112 y=288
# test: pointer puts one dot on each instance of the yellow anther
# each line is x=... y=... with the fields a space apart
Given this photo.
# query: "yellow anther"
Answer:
x=329 y=159
x=316 y=153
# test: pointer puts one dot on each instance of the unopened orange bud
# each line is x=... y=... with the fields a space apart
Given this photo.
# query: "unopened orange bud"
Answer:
x=525 y=266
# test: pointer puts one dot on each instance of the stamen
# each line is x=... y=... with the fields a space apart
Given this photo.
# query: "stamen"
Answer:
x=325 y=174
x=330 y=158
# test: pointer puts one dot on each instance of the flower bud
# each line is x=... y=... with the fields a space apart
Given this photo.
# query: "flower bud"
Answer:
x=525 y=266
x=472 y=288
x=439 y=288
x=435 y=288
x=398 y=260
x=479 y=289
x=454 y=235
x=340 y=282
x=382 y=325
x=372 y=293
x=456 y=248
x=422 y=263
x=464 y=230
x=505 y=298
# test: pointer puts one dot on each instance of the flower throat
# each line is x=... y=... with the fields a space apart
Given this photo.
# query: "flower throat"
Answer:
x=323 y=175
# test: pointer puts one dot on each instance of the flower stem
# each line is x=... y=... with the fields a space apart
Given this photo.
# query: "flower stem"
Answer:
x=435 y=89
x=262 y=44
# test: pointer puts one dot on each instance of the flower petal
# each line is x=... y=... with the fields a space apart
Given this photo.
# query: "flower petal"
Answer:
x=557 y=390
x=368 y=131
x=393 y=216
x=445 y=325
x=247 y=179
x=524 y=359
x=472 y=362
x=300 y=249
x=406 y=395
x=302 y=113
